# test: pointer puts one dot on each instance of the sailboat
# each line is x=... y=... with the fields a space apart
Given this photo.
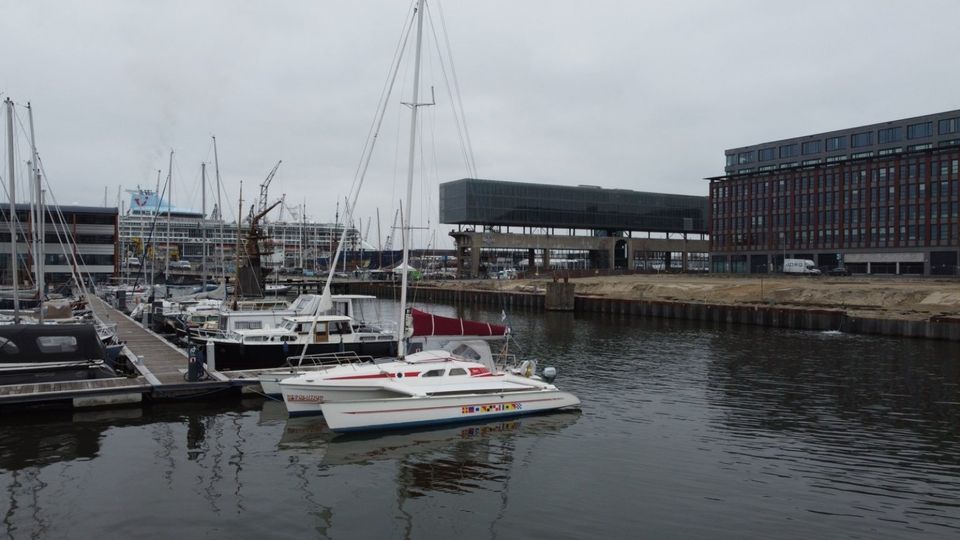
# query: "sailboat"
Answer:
x=452 y=385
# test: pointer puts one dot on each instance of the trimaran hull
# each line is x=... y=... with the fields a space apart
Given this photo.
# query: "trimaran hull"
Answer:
x=402 y=413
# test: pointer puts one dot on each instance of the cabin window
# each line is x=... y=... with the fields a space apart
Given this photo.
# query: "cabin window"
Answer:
x=249 y=325
x=288 y=338
x=57 y=344
x=8 y=347
x=457 y=371
x=467 y=352
x=433 y=373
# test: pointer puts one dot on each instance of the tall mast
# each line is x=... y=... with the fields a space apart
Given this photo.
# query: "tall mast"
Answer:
x=303 y=238
x=236 y=285
x=153 y=238
x=216 y=168
x=39 y=246
x=405 y=220
x=203 y=225
x=166 y=269
x=379 y=240
x=12 y=216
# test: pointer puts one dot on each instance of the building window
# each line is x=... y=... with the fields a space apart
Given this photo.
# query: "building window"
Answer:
x=765 y=154
x=766 y=168
x=834 y=159
x=811 y=162
x=744 y=171
x=810 y=147
x=890 y=135
x=917 y=131
x=889 y=151
x=731 y=160
x=836 y=143
x=951 y=142
x=859 y=140
x=745 y=157
x=788 y=151
x=949 y=125
x=788 y=165
x=858 y=155
x=918 y=147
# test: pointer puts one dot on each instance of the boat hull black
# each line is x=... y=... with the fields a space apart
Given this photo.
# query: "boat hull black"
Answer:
x=231 y=356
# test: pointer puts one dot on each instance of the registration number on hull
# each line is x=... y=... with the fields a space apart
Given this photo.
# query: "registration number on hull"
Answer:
x=304 y=398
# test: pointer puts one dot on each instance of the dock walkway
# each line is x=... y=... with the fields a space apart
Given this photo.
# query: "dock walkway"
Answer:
x=161 y=369
x=158 y=360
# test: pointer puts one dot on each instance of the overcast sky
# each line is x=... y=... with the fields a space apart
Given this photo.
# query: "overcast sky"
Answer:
x=631 y=94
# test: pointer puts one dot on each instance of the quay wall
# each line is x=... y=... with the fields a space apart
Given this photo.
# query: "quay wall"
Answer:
x=797 y=318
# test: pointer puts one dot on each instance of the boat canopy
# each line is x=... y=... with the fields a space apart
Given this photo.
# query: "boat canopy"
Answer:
x=49 y=343
x=426 y=324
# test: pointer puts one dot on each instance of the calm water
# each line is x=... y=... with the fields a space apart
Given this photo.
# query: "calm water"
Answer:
x=686 y=431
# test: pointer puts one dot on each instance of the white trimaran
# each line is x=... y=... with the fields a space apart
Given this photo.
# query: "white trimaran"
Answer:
x=424 y=388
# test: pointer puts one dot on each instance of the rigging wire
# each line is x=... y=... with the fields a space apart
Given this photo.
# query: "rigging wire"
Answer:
x=460 y=117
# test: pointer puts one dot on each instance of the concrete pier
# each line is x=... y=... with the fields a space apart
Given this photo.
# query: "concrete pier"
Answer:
x=797 y=318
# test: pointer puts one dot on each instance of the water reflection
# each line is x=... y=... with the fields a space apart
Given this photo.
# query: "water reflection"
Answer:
x=452 y=460
x=881 y=421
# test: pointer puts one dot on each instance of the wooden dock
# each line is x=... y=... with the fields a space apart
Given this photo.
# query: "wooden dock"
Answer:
x=161 y=373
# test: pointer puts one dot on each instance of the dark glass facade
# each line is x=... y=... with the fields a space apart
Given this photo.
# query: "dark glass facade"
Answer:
x=471 y=201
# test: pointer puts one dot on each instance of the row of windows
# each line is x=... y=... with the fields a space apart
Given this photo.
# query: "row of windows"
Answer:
x=881 y=174
x=904 y=235
x=842 y=142
x=856 y=155
x=90 y=260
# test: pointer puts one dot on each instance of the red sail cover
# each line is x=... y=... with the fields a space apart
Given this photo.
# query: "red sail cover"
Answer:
x=425 y=324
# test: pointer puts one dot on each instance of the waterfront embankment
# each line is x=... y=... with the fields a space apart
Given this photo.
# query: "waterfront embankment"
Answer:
x=889 y=305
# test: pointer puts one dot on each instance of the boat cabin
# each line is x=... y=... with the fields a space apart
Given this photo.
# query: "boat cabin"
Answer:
x=328 y=329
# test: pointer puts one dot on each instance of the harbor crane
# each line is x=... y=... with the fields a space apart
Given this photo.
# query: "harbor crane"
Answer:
x=265 y=186
x=388 y=245
x=294 y=212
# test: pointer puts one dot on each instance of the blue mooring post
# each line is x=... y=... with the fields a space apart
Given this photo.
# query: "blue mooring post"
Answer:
x=194 y=365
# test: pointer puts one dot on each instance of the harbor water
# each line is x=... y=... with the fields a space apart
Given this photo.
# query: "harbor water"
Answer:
x=687 y=431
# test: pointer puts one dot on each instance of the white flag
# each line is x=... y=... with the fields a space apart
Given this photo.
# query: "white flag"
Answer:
x=503 y=315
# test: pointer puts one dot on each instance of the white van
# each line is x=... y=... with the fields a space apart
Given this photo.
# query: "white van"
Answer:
x=800 y=266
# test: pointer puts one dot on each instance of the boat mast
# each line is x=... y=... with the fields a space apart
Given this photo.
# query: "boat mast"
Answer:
x=12 y=216
x=166 y=268
x=153 y=240
x=39 y=244
x=405 y=220
x=203 y=226
x=236 y=284
x=303 y=238
x=223 y=261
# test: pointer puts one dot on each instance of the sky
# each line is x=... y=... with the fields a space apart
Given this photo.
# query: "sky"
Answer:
x=619 y=94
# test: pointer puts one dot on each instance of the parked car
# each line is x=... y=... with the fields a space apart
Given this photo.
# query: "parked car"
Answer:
x=839 y=271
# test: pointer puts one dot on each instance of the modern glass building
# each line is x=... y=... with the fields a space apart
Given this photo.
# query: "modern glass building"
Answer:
x=477 y=202
x=880 y=198
x=81 y=237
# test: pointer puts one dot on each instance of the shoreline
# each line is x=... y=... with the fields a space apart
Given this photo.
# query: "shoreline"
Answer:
x=895 y=306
